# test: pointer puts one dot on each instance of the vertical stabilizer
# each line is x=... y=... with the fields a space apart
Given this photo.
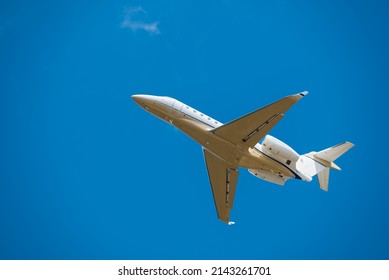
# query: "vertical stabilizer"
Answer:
x=323 y=177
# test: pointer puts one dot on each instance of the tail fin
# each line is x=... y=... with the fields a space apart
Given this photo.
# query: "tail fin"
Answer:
x=320 y=162
x=324 y=177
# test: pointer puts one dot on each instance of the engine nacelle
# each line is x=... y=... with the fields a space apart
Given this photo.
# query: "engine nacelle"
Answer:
x=269 y=176
x=272 y=145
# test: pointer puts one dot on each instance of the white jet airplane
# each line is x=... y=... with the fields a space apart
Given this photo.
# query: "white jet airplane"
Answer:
x=235 y=144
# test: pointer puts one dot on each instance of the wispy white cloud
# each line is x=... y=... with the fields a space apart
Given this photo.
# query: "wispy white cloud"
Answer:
x=134 y=19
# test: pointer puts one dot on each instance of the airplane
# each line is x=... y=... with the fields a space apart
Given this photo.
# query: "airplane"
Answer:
x=227 y=147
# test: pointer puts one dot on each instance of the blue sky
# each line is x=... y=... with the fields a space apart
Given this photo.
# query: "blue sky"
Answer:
x=86 y=174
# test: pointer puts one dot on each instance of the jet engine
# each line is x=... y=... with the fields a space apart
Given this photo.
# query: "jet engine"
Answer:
x=274 y=147
x=269 y=176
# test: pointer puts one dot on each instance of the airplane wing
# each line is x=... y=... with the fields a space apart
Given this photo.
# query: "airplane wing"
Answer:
x=223 y=178
x=252 y=127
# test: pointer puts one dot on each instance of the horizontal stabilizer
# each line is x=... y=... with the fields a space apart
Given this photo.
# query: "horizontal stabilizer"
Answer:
x=331 y=154
x=325 y=163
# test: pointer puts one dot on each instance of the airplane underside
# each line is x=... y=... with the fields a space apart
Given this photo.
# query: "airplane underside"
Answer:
x=235 y=144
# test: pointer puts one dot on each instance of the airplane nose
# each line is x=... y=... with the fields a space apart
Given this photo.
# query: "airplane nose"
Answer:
x=137 y=97
x=141 y=98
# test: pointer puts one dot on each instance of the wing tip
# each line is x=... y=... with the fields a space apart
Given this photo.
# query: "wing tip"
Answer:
x=303 y=93
x=349 y=144
x=297 y=96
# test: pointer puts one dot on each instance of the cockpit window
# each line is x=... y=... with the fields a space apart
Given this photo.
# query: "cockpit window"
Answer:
x=166 y=100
